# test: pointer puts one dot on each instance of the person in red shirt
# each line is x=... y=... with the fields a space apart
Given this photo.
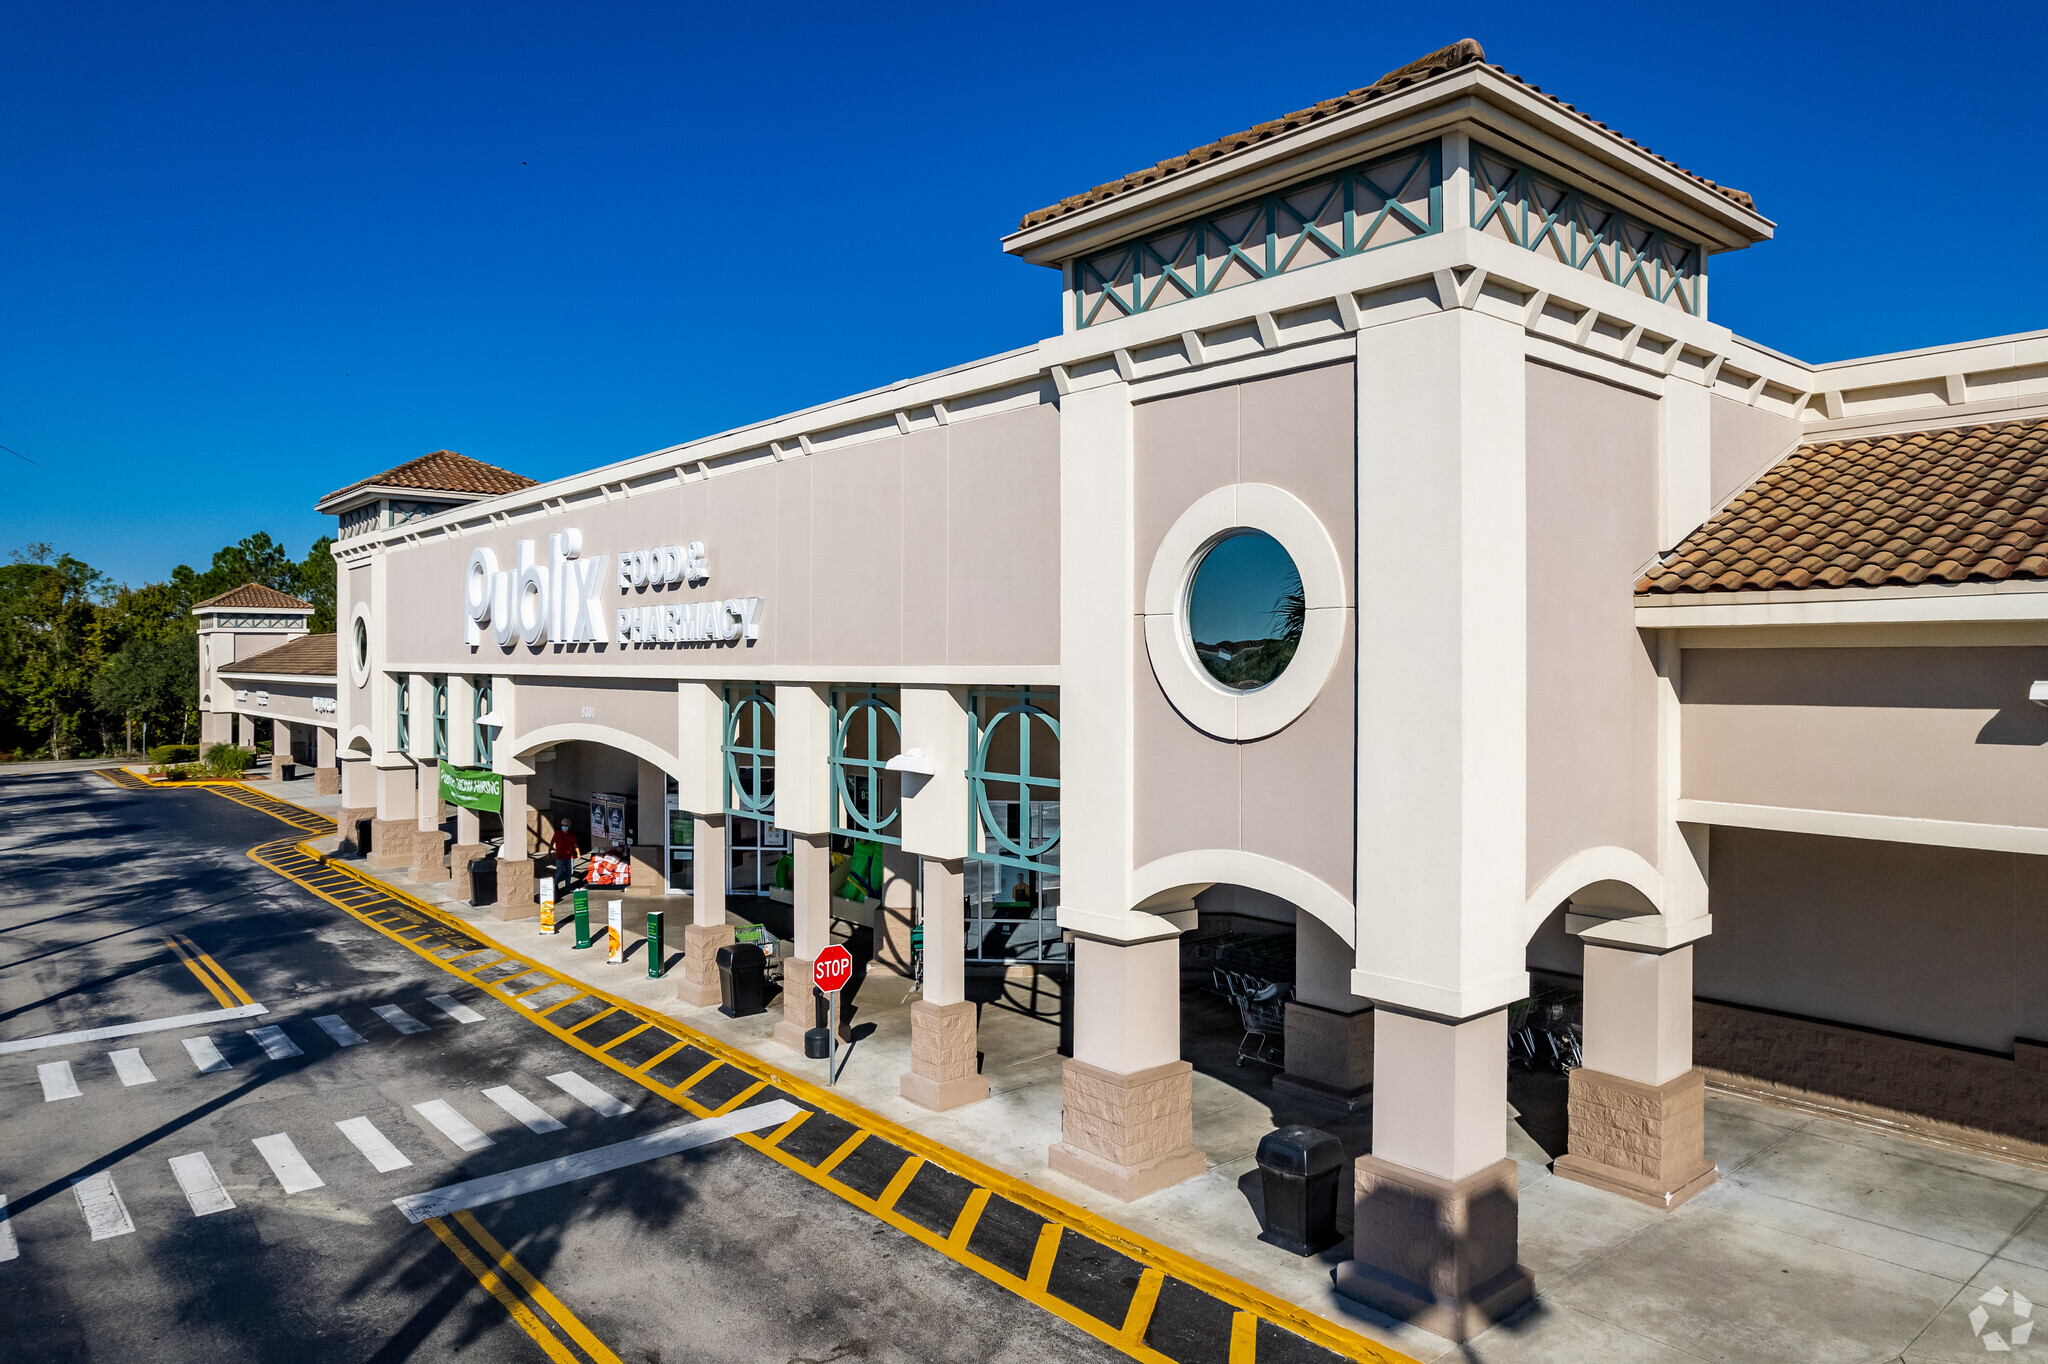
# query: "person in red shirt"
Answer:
x=563 y=845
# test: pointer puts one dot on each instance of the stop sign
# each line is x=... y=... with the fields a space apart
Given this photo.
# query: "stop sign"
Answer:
x=833 y=968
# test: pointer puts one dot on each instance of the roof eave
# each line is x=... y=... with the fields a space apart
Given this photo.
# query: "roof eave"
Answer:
x=1474 y=95
x=348 y=499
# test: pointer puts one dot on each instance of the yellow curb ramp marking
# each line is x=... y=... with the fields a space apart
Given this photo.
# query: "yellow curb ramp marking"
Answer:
x=1142 y=1302
x=1042 y=1255
x=775 y=1138
x=622 y=1037
x=1252 y=1303
x=736 y=1100
x=1244 y=1338
x=549 y=1303
x=497 y=1288
x=651 y=1062
x=696 y=1077
x=831 y=1162
x=563 y=1004
x=896 y=1186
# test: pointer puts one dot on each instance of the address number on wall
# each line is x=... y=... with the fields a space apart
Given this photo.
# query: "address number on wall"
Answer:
x=590 y=712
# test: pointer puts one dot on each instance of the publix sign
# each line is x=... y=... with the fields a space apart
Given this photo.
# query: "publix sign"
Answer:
x=562 y=600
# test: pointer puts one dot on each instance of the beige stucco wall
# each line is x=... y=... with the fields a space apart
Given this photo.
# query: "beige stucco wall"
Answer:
x=1288 y=796
x=646 y=710
x=938 y=548
x=1592 y=708
x=1744 y=440
x=291 y=702
x=1927 y=733
x=1946 y=944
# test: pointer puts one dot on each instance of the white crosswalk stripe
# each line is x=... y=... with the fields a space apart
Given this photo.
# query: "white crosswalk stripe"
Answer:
x=342 y=1034
x=105 y=1214
x=399 y=1018
x=589 y=1095
x=205 y=1055
x=202 y=1186
x=526 y=1110
x=455 y=1008
x=130 y=1066
x=287 y=1164
x=453 y=1125
x=375 y=1146
x=58 y=1081
x=9 y=1248
x=275 y=1044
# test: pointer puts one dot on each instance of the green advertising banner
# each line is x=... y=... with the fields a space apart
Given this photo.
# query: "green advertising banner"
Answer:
x=473 y=788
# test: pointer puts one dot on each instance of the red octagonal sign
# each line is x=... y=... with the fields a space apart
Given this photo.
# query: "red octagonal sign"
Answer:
x=833 y=968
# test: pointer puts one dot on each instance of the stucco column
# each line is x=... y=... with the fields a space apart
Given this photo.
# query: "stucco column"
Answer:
x=813 y=906
x=326 y=777
x=280 y=749
x=1329 y=1029
x=945 y=1070
x=707 y=930
x=392 y=834
x=215 y=727
x=469 y=843
x=430 y=845
x=1127 y=1100
x=515 y=865
x=1433 y=1238
x=1638 y=1109
x=357 y=782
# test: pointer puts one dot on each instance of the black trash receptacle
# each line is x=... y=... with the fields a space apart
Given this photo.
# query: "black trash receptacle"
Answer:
x=1301 y=1169
x=742 y=980
x=363 y=837
x=483 y=881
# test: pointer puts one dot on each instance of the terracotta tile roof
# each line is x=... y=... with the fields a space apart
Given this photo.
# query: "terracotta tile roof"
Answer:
x=1967 y=504
x=444 y=471
x=1464 y=52
x=307 y=656
x=255 y=595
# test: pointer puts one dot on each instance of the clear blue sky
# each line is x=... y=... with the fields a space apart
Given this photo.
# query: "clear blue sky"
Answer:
x=257 y=251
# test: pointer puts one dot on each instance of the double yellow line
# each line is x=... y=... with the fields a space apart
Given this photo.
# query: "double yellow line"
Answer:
x=494 y=1266
x=218 y=982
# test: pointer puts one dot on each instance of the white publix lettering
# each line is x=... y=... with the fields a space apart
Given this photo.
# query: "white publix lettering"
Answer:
x=558 y=601
x=700 y=622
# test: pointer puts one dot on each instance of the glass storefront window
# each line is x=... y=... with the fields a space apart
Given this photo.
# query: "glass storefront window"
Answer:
x=441 y=719
x=1012 y=880
x=682 y=841
x=480 y=708
x=756 y=856
x=1245 y=610
x=404 y=714
x=866 y=796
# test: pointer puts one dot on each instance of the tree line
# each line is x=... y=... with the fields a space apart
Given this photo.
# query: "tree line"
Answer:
x=89 y=666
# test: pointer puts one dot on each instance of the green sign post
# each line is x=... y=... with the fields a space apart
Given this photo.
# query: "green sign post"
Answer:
x=473 y=788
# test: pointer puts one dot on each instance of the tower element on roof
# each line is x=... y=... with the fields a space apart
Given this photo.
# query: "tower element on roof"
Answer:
x=417 y=489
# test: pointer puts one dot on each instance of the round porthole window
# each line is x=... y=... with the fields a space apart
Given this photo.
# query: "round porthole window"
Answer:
x=1245 y=610
x=362 y=645
x=359 y=644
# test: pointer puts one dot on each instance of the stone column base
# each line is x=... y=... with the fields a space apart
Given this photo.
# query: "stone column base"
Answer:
x=515 y=891
x=698 y=985
x=944 y=1045
x=1646 y=1142
x=799 y=1005
x=327 y=781
x=1329 y=1056
x=391 y=843
x=345 y=820
x=429 y=847
x=1439 y=1254
x=458 y=866
x=1127 y=1135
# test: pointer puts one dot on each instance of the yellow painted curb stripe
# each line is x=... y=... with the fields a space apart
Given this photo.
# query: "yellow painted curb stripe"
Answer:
x=493 y=1285
x=549 y=1303
x=1043 y=1254
x=1139 y=1317
x=1244 y=1339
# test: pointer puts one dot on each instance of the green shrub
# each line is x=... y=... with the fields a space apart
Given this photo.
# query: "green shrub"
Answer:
x=174 y=753
x=226 y=762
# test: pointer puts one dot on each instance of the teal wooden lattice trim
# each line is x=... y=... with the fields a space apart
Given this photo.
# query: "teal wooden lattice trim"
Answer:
x=987 y=839
x=479 y=707
x=1359 y=209
x=747 y=797
x=1533 y=212
x=404 y=713
x=861 y=723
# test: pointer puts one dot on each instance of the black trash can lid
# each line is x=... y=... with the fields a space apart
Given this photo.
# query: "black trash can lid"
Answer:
x=1298 y=1150
x=741 y=954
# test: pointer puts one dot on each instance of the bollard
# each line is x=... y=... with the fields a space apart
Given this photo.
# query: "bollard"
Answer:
x=614 y=932
x=582 y=919
x=547 y=906
x=654 y=948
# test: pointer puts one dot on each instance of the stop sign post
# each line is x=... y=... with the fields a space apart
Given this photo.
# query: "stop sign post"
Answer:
x=829 y=974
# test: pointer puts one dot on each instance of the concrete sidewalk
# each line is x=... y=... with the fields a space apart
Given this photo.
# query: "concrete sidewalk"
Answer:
x=1825 y=1240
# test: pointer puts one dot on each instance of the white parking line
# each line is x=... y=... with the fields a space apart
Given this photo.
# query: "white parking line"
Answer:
x=130 y=1066
x=399 y=1018
x=58 y=1081
x=64 y=1039
x=205 y=1055
x=287 y=1164
x=275 y=1044
x=105 y=1214
x=526 y=1110
x=589 y=1095
x=202 y=1187
x=453 y=1125
x=455 y=1008
x=342 y=1033
x=547 y=1174
x=375 y=1146
x=9 y=1248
